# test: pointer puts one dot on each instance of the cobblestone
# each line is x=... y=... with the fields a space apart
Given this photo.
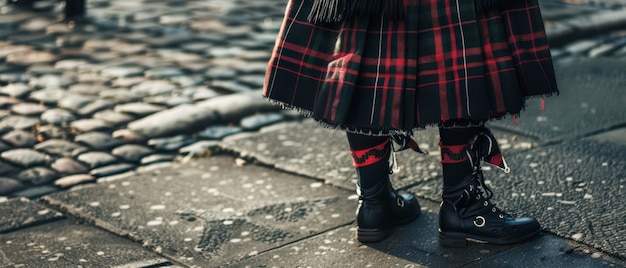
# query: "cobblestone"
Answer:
x=142 y=82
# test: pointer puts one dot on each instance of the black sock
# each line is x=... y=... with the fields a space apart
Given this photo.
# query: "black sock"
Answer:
x=455 y=161
x=370 y=155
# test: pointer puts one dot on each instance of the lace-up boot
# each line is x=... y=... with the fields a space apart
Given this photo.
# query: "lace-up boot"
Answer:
x=381 y=208
x=468 y=215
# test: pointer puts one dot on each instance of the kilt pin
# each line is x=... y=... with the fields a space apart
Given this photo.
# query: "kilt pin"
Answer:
x=442 y=62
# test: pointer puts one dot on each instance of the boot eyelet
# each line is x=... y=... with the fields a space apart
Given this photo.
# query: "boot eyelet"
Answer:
x=400 y=202
x=494 y=210
x=478 y=197
x=486 y=203
x=501 y=216
x=480 y=221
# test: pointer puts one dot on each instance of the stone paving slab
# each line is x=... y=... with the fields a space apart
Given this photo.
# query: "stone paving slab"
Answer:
x=416 y=245
x=412 y=245
x=20 y=213
x=549 y=251
x=592 y=99
x=67 y=244
x=557 y=179
x=306 y=148
x=211 y=212
x=576 y=190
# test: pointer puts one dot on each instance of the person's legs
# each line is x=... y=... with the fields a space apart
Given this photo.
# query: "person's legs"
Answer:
x=380 y=206
x=465 y=212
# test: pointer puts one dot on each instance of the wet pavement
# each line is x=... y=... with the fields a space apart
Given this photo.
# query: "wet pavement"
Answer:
x=109 y=129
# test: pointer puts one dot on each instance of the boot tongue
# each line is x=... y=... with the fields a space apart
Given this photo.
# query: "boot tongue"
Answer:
x=468 y=192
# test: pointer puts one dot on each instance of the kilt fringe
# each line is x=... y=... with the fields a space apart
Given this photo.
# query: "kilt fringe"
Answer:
x=286 y=106
x=399 y=132
x=335 y=11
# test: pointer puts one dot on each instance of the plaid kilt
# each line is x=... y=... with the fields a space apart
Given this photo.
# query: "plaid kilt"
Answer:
x=443 y=61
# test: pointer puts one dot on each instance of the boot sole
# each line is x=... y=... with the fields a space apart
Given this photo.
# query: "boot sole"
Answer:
x=459 y=240
x=364 y=235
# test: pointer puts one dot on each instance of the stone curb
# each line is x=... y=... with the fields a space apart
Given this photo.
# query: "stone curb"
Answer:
x=585 y=25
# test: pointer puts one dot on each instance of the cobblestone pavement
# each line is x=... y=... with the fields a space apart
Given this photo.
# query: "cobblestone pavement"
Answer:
x=143 y=83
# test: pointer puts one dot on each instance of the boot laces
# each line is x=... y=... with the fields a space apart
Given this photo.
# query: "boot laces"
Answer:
x=482 y=188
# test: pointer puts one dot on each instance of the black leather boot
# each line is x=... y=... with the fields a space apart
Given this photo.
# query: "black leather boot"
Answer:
x=467 y=215
x=381 y=208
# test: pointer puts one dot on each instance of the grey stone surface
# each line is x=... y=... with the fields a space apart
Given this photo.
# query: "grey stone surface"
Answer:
x=24 y=157
x=199 y=149
x=74 y=102
x=113 y=117
x=89 y=125
x=72 y=180
x=415 y=245
x=6 y=168
x=584 y=24
x=575 y=112
x=68 y=166
x=549 y=252
x=171 y=143
x=48 y=95
x=138 y=108
x=112 y=169
x=30 y=57
x=170 y=101
x=68 y=244
x=19 y=213
x=96 y=159
x=565 y=187
x=155 y=158
x=35 y=192
x=257 y=121
x=95 y=106
x=58 y=147
x=218 y=132
x=28 y=109
x=58 y=116
x=20 y=138
x=233 y=107
x=308 y=149
x=38 y=175
x=617 y=136
x=194 y=215
x=153 y=87
x=17 y=122
x=128 y=136
x=171 y=121
x=98 y=141
x=131 y=152
x=9 y=185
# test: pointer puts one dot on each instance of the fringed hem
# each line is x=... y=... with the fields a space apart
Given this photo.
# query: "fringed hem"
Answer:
x=455 y=123
x=287 y=106
x=336 y=11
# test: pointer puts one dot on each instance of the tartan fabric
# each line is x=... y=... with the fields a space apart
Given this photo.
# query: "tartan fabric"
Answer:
x=444 y=61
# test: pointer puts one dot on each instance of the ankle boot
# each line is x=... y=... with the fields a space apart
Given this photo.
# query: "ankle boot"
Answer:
x=467 y=215
x=381 y=208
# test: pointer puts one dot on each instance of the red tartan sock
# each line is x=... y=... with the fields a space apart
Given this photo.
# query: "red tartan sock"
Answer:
x=370 y=156
x=455 y=161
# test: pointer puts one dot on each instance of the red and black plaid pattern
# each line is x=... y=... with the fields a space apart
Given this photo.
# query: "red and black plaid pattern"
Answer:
x=444 y=61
